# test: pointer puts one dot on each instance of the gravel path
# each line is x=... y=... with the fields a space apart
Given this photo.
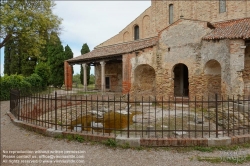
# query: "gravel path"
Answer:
x=14 y=138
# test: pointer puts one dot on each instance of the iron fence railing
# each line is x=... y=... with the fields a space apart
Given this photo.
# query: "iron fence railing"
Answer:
x=137 y=116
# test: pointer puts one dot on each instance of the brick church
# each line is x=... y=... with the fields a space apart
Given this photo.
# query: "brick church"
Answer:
x=176 y=48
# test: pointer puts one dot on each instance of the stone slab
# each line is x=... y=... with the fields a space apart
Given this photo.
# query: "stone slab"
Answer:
x=132 y=141
x=221 y=141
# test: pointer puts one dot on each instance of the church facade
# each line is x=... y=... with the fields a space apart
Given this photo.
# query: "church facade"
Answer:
x=176 y=48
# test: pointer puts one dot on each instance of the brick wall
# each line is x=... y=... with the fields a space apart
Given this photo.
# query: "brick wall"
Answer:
x=114 y=72
x=67 y=76
x=156 y=17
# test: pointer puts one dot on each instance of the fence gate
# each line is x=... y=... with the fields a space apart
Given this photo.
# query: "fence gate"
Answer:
x=14 y=102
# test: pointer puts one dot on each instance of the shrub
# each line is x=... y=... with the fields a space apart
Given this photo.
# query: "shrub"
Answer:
x=110 y=142
x=36 y=82
x=13 y=82
x=43 y=70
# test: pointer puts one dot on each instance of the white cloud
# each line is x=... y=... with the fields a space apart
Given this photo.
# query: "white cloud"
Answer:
x=93 y=22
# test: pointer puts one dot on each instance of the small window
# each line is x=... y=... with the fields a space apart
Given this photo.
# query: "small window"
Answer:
x=171 y=13
x=222 y=6
x=136 y=32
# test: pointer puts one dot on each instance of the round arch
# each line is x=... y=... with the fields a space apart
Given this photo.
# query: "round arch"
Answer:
x=144 y=78
x=212 y=74
x=181 y=82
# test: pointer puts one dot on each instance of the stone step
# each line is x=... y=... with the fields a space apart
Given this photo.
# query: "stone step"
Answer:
x=145 y=103
x=181 y=105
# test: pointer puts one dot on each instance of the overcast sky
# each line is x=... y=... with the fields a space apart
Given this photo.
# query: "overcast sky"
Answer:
x=93 y=22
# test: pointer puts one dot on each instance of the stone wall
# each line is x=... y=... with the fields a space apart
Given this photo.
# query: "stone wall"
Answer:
x=139 y=75
x=182 y=47
x=114 y=72
x=237 y=56
x=156 y=17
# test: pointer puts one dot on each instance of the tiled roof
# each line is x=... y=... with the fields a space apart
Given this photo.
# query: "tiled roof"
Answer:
x=233 y=29
x=117 y=49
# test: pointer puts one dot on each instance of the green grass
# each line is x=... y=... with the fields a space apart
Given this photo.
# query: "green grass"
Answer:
x=110 y=143
x=203 y=149
x=79 y=138
x=229 y=159
x=70 y=137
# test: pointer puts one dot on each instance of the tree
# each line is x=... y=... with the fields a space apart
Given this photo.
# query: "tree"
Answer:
x=17 y=60
x=84 y=50
x=42 y=69
x=12 y=58
x=27 y=21
x=7 y=57
x=56 y=60
x=68 y=54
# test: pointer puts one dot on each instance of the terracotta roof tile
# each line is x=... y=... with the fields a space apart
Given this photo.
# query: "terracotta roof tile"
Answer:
x=112 y=50
x=233 y=29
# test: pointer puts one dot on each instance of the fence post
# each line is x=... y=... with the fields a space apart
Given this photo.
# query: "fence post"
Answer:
x=128 y=115
x=216 y=114
x=56 y=110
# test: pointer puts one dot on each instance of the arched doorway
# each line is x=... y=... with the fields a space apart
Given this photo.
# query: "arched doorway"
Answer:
x=144 y=79
x=181 y=83
x=212 y=73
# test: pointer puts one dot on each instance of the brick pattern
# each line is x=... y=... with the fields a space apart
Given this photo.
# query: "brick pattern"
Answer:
x=158 y=14
x=114 y=72
x=67 y=76
x=127 y=69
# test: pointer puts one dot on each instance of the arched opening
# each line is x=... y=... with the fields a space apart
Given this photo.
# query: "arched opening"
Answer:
x=136 y=32
x=171 y=13
x=144 y=82
x=126 y=36
x=246 y=71
x=212 y=73
x=181 y=83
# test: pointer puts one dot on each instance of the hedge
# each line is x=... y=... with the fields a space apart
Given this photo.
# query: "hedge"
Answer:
x=26 y=85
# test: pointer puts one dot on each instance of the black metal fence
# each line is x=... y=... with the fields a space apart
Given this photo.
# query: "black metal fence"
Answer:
x=144 y=117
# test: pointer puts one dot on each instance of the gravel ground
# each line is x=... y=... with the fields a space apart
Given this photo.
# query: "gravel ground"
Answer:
x=14 y=138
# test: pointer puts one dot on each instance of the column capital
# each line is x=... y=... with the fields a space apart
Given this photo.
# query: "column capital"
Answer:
x=84 y=64
x=102 y=63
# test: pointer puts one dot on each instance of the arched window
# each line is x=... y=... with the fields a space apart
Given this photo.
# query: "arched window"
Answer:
x=222 y=6
x=171 y=13
x=136 y=32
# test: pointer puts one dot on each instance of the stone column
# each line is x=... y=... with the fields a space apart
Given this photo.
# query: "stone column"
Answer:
x=85 y=84
x=103 y=84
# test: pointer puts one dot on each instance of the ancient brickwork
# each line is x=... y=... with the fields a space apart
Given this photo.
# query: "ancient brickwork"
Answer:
x=217 y=51
x=67 y=76
x=156 y=17
x=98 y=77
x=143 y=66
x=237 y=66
x=182 y=48
x=114 y=72
x=127 y=70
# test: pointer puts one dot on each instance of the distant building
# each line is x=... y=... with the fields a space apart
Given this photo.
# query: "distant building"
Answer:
x=174 y=48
